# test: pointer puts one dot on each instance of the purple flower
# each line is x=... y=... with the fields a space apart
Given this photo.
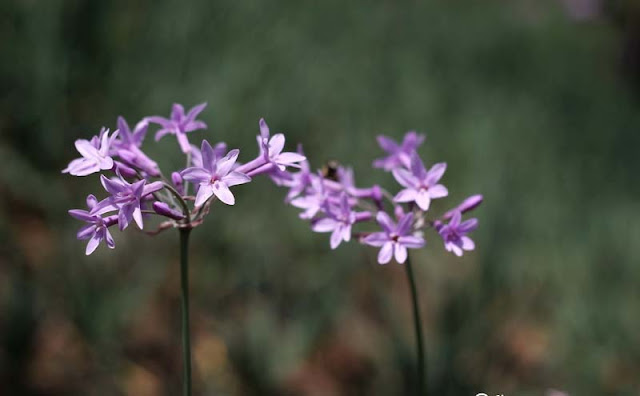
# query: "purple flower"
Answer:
x=271 y=149
x=179 y=124
x=128 y=144
x=398 y=154
x=315 y=199
x=454 y=234
x=95 y=155
x=125 y=198
x=298 y=181
x=420 y=185
x=339 y=221
x=394 y=239
x=98 y=228
x=215 y=176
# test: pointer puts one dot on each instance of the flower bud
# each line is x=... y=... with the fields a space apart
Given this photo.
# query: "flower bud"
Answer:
x=176 y=179
x=163 y=209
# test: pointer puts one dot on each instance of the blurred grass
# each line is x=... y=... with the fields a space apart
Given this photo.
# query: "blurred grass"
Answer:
x=530 y=108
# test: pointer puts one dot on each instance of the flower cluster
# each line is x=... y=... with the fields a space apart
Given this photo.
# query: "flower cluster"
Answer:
x=332 y=203
x=137 y=188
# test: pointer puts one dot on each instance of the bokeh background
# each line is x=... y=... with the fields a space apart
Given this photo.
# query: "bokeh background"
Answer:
x=534 y=104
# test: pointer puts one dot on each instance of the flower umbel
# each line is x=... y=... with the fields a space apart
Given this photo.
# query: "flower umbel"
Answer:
x=138 y=188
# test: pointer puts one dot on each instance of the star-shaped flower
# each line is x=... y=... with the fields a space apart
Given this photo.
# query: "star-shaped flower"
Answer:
x=95 y=155
x=455 y=233
x=398 y=154
x=394 y=239
x=339 y=220
x=98 y=228
x=180 y=124
x=126 y=198
x=215 y=176
x=420 y=185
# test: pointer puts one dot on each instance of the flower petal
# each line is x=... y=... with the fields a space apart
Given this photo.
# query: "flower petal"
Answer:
x=385 y=222
x=336 y=237
x=276 y=144
x=435 y=173
x=93 y=244
x=113 y=186
x=205 y=191
x=137 y=216
x=85 y=148
x=404 y=225
x=400 y=253
x=183 y=141
x=82 y=215
x=177 y=112
x=196 y=175
x=86 y=232
x=386 y=252
x=387 y=144
x=455 y=219
x=406 y=195
x=324 y=225
x=208 y=156
x=91 y=201
x=467 y=243
x=225 y=164
x=223 y=193
x=289 y=158
x=417 y=166
x=163 y=122
x=376 y=239
x=264 y=129
x=468 y=225
x=194 y=126
x=162 y=133
x=423 y=199
x=235 y=178
x=195 y=110
x=405 y=178
x=438 y=191
x=412 y=242
x=109 y=239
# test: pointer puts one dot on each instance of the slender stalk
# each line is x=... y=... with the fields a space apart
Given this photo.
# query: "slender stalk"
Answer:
x=184 y=281
x=183 y=204
x=418 y=328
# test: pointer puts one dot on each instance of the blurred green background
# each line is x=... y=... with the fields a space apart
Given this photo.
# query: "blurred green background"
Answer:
x=534 y=104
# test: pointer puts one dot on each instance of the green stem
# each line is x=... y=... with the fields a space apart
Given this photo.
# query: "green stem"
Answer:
x=184 y=281
x=418 y=328
x=183 y=204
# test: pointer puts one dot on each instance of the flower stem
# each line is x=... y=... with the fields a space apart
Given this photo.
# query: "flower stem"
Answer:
x=184 y=281
x=418 y=329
